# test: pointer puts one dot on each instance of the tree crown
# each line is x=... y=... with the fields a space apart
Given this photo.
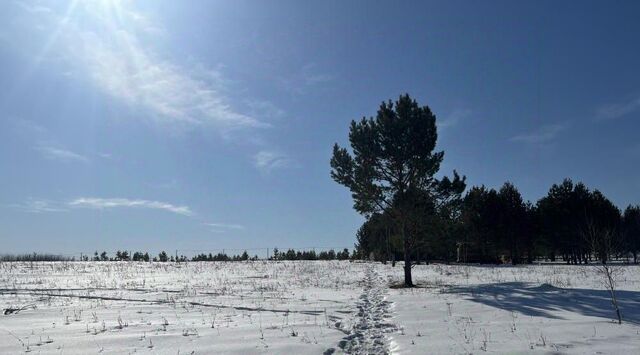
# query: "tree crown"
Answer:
x=393 y=159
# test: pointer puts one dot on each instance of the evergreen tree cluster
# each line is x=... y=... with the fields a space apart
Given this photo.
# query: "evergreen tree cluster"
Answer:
x=499 y=226
x=224 y=257
x=33 y=257
x=164 y=257
x=310 y=255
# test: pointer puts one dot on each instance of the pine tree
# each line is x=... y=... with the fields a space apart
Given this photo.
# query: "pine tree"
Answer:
x=393 y=166
x=631 y=230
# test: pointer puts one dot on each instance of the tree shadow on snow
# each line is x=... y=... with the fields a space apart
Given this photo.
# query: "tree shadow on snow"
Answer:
x=545 y=300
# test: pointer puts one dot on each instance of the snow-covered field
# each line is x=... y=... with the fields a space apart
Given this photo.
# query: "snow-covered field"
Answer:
x=312 y=307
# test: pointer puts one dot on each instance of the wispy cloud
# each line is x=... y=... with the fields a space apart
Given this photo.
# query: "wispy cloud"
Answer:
x=265 y=109
x=122 y=68
x=39 y=206
x=221 y=227
x=619 y=109
x=543 y=134
x=266 y=161
x=109 y=203
x=43 y=205
x=311 y=75
x=33 y=8
x=54 y=153
x=170 y=184
x=114 y=47
x=308 y=76
x=27 y=126
x=454 y=118
x=111 y=44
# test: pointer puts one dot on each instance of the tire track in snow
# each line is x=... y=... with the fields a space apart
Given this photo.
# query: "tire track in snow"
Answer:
x=368 y=334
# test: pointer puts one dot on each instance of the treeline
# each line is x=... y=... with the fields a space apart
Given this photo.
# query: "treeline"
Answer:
x=224 y=257
x=571 y=223
x=164 y=257
x=35 y=257
x=290 y=254
x=310 y=255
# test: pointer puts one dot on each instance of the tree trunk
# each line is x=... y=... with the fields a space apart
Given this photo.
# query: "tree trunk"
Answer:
x=407 y=257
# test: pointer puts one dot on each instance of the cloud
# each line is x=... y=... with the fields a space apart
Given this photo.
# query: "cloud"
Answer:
x=28 y=126
x=39 y=206
x=33 y=8
x=454 y=118
x=159 y=86
x=263 y=108
x=306 y=77
x=219 y=227
x=617 y=110
x=107 y=203
x=115 y=48
x=170 y=184
x=267 y=161
x=111 y=45
x=541 y=135
x=311 y=76
x=60 y=154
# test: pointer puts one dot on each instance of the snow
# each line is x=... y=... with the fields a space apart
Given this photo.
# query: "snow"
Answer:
x=313 y=307
x=528 y=309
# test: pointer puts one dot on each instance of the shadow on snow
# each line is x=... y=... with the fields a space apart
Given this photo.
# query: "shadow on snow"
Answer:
x=545 y=300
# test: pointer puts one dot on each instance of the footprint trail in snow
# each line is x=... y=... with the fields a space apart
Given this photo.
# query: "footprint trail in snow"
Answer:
x=368 y=334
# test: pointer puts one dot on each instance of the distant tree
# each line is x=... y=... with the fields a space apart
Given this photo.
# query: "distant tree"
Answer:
x=145 y=257
x=565 y=213
x=221 y=257
x=331 y=254
x=291 y=255
x=514 y=226
x=103 y=256
x=200 y=257
x=531 y=232
x=393 y=164
x=631 y=230
x=562 y=216
x=245 y=256
x=479 y=240
x=95 y=256
x=603 y=216
x=162 y=257
x=377 y=235
x=343 y=255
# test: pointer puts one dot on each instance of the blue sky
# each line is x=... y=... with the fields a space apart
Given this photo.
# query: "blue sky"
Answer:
x=204 y=125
